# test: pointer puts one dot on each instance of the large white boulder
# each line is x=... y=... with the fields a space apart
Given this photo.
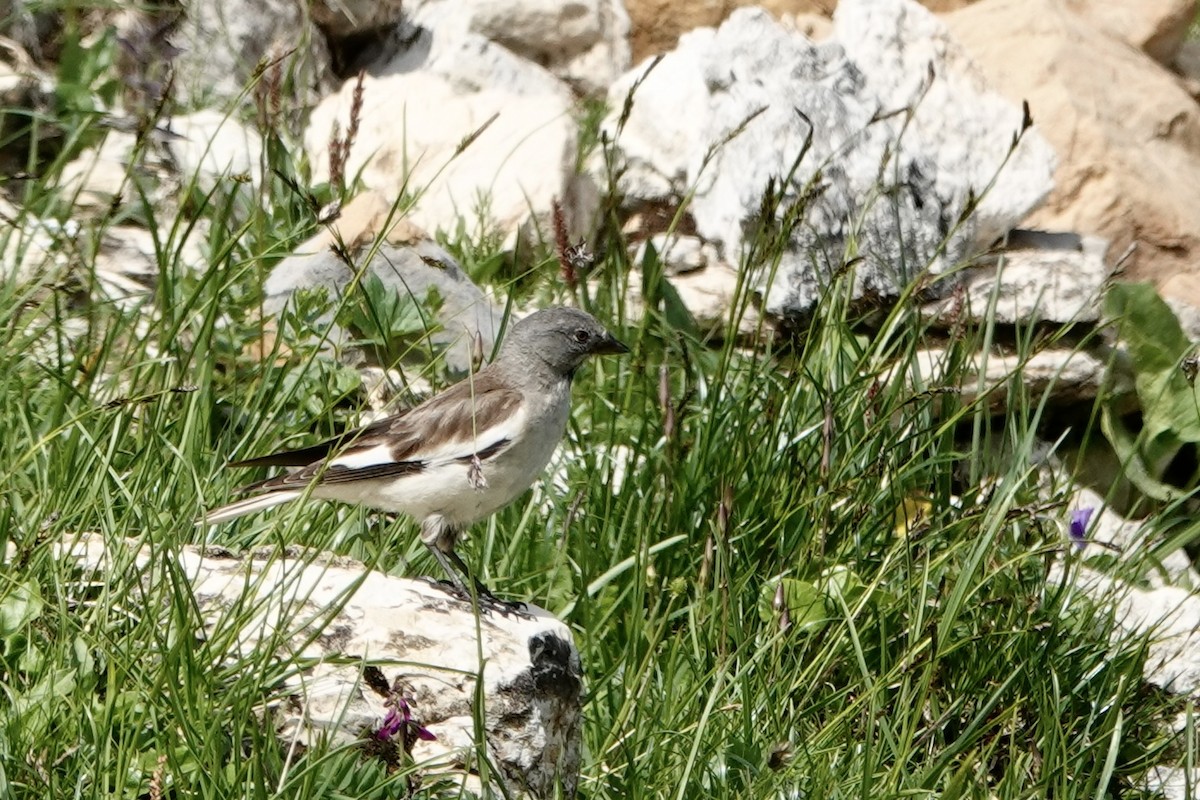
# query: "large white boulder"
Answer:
x=873 y=144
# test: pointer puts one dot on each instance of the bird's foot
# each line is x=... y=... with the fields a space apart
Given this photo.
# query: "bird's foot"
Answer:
x=487 y=602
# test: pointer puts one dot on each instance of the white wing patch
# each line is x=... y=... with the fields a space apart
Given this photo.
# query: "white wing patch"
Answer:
x=379 y=454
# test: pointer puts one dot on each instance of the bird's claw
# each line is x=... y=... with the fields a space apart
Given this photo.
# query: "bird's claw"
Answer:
x=487 y=602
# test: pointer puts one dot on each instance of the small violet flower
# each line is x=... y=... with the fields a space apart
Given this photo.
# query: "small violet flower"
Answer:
x=1077 y=529
x=399 y=719
x=392 y=724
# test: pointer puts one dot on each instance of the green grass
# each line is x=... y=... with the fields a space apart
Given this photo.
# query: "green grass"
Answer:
x=818 y=579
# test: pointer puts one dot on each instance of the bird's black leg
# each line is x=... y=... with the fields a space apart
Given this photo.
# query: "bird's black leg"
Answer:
x=455 y=579
x=440 y=537
x=462 y=567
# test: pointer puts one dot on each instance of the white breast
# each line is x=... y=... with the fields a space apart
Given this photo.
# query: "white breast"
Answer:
x=456 y=491
x=518 y=466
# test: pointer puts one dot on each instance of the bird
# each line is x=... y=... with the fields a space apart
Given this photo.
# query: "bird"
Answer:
x=459 y=456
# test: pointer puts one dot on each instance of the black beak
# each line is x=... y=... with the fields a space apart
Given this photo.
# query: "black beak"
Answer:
x=609 y=346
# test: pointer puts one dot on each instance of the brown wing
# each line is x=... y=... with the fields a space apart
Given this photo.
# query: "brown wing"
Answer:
x=473 y=418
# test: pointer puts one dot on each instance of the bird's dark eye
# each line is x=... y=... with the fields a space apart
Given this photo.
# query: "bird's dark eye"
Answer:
x=581 y=336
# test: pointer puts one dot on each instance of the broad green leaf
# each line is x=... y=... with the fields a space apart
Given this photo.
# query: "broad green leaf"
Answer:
x=22 y=605
x=1134 y=467
x=803 y=604
x=842 y=582
x=35 y=708
x=1157 y=346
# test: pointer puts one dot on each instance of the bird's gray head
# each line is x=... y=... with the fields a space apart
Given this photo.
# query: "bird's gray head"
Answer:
x=559 y=338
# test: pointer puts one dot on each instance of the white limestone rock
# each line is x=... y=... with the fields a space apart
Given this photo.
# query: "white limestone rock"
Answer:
x=372 y=639
x=706 y=285
x=206 y=147
x=1130 y=540
x=1162 y=606
x=34 y=248
x=442 y=45
x=1169 y=615
x=211 y=147
x=413 y=137
x=1172 y=783
x=1069 y=376
x=118 y=171
x=710 y=296
x=128 y=263
x=678 y=253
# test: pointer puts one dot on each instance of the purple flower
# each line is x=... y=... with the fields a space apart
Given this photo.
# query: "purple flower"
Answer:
x=1080 y=517
x=399 y=718
x=392 y=724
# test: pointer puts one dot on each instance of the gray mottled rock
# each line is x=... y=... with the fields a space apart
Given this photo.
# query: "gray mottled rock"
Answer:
x=28 y=25
x=1040 y=277
x=959 y=123
x=216 y=45
x=375 y=641
x=583 y=42
x=406 y=261
x=730 y=111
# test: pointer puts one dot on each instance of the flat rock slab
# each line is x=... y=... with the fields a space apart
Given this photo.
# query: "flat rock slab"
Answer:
x=1040 y=277
x=378 y=643
x=1068 y=376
